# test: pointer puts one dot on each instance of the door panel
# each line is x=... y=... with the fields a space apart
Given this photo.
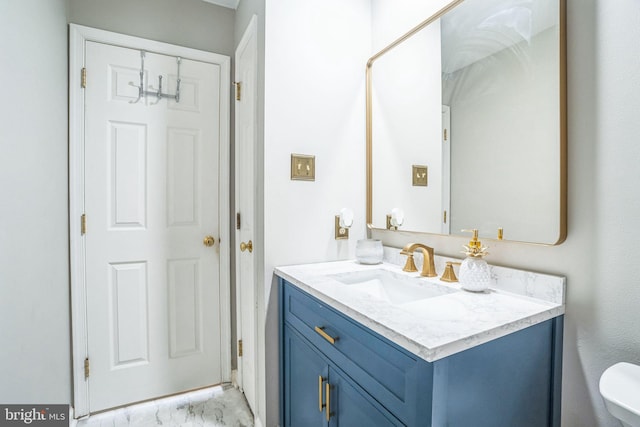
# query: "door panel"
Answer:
x=182 y=176
x=302 y=367
x=128 y=171
x=349 y=407
x=129 y=301
x=185 y=317
x=246 y=140
x=151 y=195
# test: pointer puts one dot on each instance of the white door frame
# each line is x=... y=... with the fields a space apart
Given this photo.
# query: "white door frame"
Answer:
x=250 y=36
x=78 y=36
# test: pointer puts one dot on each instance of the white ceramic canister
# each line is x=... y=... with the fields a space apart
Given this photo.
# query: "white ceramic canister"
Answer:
x=369 y=251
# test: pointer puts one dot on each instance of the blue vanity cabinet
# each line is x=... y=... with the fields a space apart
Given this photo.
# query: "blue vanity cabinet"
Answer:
x=510 y=381
x=388 y=383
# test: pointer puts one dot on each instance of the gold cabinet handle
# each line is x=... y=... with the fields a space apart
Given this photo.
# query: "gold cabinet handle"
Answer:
x=326 y=336
x=320 y=403
x=328 y=407
x=246 y=246
x=209 y=241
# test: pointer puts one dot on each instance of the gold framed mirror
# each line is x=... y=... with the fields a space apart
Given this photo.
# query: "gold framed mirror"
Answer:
x=474 y=99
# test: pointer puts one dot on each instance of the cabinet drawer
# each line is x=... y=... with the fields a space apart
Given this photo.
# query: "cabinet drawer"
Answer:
x=397 y=379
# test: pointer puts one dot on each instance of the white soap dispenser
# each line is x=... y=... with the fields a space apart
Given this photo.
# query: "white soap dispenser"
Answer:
x=474 y=272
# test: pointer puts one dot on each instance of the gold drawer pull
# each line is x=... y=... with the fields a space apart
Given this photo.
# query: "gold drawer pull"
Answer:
x=320 y=404
x=328 y=402
x=323 y=334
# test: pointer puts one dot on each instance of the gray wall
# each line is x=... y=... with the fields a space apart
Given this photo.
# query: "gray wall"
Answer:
x=34 y=255
x=599 y=256
x=191 y=23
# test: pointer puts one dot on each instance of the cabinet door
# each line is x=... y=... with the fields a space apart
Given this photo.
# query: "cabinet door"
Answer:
x=349 y=407
x=305 y=376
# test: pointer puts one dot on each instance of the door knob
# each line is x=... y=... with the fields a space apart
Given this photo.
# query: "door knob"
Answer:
x=208 y=241
x=246 y=246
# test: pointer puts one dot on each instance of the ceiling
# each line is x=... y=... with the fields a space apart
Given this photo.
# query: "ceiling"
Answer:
x=477 y=29
x=231 y=4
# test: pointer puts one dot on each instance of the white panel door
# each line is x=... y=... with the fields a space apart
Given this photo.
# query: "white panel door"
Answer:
x=151 y=196
x=246 y=140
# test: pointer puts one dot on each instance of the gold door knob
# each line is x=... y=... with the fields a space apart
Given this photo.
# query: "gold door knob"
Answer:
x=246 y=246
x=208 y=241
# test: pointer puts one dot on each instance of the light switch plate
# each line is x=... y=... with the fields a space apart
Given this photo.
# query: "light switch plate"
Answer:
x=303 y=167
x=420 y=175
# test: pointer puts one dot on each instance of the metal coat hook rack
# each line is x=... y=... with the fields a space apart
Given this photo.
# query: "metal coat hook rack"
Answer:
x=157 y=93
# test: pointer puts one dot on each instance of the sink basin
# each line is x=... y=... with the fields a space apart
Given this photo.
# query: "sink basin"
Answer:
x=395 y=288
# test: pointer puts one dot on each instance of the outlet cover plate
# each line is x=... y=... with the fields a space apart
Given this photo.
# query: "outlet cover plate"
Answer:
x=303 y=167
x=420 y=175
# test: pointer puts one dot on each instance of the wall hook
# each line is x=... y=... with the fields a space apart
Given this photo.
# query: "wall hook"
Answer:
x=157 y=93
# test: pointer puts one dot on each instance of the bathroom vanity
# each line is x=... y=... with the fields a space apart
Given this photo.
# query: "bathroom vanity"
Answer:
x=374 y=346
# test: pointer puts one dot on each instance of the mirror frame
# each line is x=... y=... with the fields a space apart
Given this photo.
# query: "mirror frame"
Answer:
x=563 y=123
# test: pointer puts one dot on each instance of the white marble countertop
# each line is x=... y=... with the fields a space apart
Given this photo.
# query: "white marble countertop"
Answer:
x=431 y=328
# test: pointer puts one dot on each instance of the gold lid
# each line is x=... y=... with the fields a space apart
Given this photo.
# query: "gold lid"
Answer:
x=475 y=248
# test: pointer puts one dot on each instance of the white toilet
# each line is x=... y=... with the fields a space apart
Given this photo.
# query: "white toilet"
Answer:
x=620 y=388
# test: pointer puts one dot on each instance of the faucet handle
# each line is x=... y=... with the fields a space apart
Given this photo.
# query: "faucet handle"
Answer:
x=410 y=265
x=449 y=274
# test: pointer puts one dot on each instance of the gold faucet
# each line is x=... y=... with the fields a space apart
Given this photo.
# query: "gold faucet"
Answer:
x=428 y=267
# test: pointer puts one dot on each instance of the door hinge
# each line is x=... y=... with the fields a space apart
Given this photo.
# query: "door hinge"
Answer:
x=238 y=86
x=444 y=217
x=83 y=78
x=86 y=368
x=445 y=134
x=239 y=348
x=83 y=224
x=238 y=221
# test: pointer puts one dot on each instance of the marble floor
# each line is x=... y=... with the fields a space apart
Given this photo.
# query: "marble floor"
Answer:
x=211 y=407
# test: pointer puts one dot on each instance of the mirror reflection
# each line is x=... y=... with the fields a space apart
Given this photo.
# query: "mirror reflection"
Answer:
x=466 y=124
